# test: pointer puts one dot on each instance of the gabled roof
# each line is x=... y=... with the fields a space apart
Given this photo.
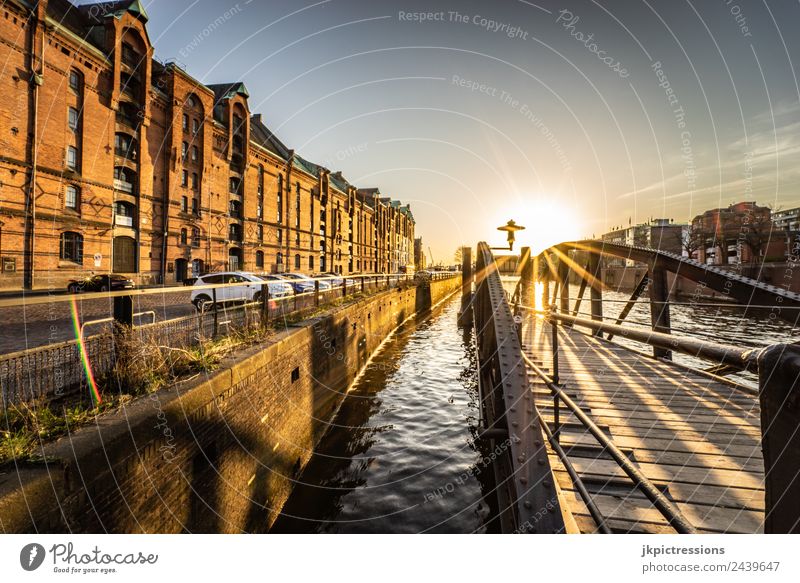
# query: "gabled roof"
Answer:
x=228 y=90
x=95 y=13
x=339 y=182
x=263 y=136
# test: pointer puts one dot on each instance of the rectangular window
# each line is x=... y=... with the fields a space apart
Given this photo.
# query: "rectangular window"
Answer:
x=195 y=207
x=184 y=204
x=74 y=81
x=71 y=198
x=73 y=119
x=185 y=122
x=194 y=153
x=260 y=233
x=195 y=126
x=72 y=157
x=185 y=178
x=195 y=181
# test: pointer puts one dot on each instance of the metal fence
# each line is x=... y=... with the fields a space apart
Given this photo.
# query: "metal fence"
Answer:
x=58 y=370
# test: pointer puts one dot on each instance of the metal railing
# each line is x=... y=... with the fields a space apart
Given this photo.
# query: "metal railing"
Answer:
x=777 y=367
x=56 y=370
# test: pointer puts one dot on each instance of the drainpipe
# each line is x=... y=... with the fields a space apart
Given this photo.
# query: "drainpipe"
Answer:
x=36 y=80
x=165 y=202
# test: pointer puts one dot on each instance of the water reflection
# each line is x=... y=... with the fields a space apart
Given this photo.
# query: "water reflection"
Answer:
x=401 y=455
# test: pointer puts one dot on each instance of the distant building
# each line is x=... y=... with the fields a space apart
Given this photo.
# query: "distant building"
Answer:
x=419 y=254
x=661 y=234
x=788 y=220
x=739 y=234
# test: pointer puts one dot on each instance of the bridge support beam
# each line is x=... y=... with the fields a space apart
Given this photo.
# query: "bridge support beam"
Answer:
x=563 y=285
x=464 y=317
x=594 y=271
x=659 y=304
x=526 y=286
x=779 y=395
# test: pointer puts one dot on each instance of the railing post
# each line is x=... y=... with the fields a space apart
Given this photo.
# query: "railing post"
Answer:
x=555 y=377
x=779 y=396
x=563 y=285
x=659 y=304
x=316 y=292
x=214 y=308
x=264 y=304
x=344 y=287
x=387 y=282
x=596 y=290
x=362 y=284
x=123 y=311
x=526 y=288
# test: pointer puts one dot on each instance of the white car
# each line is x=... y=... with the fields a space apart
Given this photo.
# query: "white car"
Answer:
x=248 y=291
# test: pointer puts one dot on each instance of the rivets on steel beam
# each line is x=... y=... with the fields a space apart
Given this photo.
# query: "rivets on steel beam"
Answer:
x=540 y=461
x=523 y=480
x=546 y=483
x=527 y=504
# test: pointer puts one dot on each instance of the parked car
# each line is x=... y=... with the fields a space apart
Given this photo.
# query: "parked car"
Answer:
x=302 y=283
x=278 y=286
x=100 y=283
x=249 y=291
x=335 y=279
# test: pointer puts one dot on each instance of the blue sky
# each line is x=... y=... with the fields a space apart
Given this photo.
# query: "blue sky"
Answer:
x=483 y=111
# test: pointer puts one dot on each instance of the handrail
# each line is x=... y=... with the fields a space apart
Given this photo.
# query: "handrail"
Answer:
x=669 y=510
x=739 y=358
x=30 y=300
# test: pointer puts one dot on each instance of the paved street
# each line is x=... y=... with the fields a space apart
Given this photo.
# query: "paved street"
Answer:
x=48 y=323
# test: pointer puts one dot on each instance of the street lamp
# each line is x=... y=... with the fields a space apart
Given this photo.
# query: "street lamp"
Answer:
x=510 y=227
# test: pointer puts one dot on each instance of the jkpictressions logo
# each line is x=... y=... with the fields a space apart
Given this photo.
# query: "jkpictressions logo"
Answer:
x=31 y=556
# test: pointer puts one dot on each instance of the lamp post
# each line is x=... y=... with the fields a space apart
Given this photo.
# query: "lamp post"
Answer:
x=510 y=227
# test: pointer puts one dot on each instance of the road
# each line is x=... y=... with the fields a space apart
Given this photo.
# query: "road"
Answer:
x=30 y=326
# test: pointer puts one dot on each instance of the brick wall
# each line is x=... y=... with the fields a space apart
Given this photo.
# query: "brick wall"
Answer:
x=215 y=455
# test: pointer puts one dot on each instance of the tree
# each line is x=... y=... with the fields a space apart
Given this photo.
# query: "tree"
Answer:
x=457 y=256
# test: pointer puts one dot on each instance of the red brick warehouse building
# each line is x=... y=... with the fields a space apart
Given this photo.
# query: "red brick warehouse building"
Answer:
x=112 y=161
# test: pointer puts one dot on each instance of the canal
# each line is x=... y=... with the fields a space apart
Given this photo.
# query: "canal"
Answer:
x=401 y=454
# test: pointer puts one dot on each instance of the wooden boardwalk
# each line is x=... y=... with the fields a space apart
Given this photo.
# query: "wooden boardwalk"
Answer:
x=696 y=438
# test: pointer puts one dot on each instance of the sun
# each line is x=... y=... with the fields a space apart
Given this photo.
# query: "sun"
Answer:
x=546 y=222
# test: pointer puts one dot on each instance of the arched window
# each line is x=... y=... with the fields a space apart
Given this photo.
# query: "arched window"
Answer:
x=297 y=261
x=195 y=237
x=71 y=247
x=184 y=239
x=311 y=262
x=260 y=259
x=279 y=258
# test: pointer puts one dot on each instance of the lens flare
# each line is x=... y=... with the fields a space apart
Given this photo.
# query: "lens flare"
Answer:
x=87 y=366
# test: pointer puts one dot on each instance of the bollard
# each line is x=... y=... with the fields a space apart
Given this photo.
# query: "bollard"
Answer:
x=362 y=284
x=344 y=287
x=779 y=396
x=316 y=292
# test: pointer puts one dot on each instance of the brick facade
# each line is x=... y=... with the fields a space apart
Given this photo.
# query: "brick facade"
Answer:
x=112 y=161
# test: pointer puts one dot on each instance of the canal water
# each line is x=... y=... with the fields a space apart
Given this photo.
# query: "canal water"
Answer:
x=401 y=454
